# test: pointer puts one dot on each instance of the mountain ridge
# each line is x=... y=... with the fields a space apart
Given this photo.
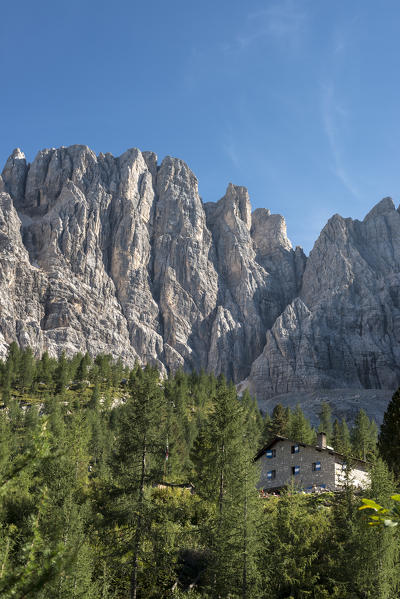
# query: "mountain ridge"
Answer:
x=120 y=255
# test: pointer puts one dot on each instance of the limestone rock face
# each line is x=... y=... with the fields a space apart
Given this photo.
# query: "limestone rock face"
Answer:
x=343 y=331
x=257 y=276
x=120 y=255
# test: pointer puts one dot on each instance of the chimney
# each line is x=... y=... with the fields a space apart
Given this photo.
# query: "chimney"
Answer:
x=321 y=440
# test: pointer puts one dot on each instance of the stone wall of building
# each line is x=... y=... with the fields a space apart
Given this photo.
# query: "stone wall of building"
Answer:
x=329 y=476
x=285 y=460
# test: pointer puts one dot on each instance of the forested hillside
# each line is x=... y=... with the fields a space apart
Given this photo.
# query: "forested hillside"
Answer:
x=116 y=483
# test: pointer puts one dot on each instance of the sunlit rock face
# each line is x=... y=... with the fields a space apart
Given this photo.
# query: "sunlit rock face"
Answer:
x=120 y=255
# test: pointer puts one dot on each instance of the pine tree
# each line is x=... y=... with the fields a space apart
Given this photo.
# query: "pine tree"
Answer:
x=180 y=433
x=254 y=423
x=280 y=422
x=293 y=540
x=325 y=424
x=83 y=368
x=345 y=437
x=6 y=384
x=31 y=563
x=389 y=436
x=117 y=373
x=104 y=363
x=374 y=551
x=10 y=372
x=62 y=374
x=266 y=431
x=364 y=436
x=67 y=515
x=45 y=369
x=95 y=399
x=138 y=460
x=336 y=436
x=341 y=437
x=300 y=429
x=337 y=566
x=226 y=478
x=27 y=369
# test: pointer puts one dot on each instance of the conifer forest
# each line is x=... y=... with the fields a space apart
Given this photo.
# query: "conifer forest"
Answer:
x=117 y=483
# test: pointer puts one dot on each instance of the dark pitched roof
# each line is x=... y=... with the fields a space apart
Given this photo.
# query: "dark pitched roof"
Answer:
x=280 y=438
x=269 y=445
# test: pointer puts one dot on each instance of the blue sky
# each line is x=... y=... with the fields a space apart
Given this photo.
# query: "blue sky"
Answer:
x=298 y=100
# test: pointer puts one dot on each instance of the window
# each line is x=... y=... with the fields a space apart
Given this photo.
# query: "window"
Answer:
x=295 y=470
x=271 y=453
x=295 y=449
x=316 y=466
x=271 y=475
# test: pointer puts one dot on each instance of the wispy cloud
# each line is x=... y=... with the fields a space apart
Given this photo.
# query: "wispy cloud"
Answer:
x=334 y=115
x=281 y=20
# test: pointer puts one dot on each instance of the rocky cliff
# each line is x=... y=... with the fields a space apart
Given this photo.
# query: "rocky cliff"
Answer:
x=120 y=255
x=343 y=329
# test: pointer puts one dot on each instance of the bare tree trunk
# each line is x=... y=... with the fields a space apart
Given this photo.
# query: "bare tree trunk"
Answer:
x=138 y=532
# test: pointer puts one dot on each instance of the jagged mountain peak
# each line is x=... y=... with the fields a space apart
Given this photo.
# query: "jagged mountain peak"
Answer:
x=120 y=255
x=174 y=281
x=269 y=231
x=349 y=336
x=385 y=206
x=17 y=154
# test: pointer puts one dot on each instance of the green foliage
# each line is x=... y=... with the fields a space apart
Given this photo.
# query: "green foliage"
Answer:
x=378 y=547
x=146 y=488
x=279 y=424
x=325 y=422
x=364 y=437
x=294 y=534
x=61 y=375
x=82 y=371
x=341 y=437
x=27 y=369
x=254 y=423
x=226 y=479
x=387 y=516
x=29 y=563
x=300 y=428
x=389 y=437
x=45 y=370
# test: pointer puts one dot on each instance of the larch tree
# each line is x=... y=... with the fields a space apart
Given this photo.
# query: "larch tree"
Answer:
x=138 y=462
x=226 y=477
